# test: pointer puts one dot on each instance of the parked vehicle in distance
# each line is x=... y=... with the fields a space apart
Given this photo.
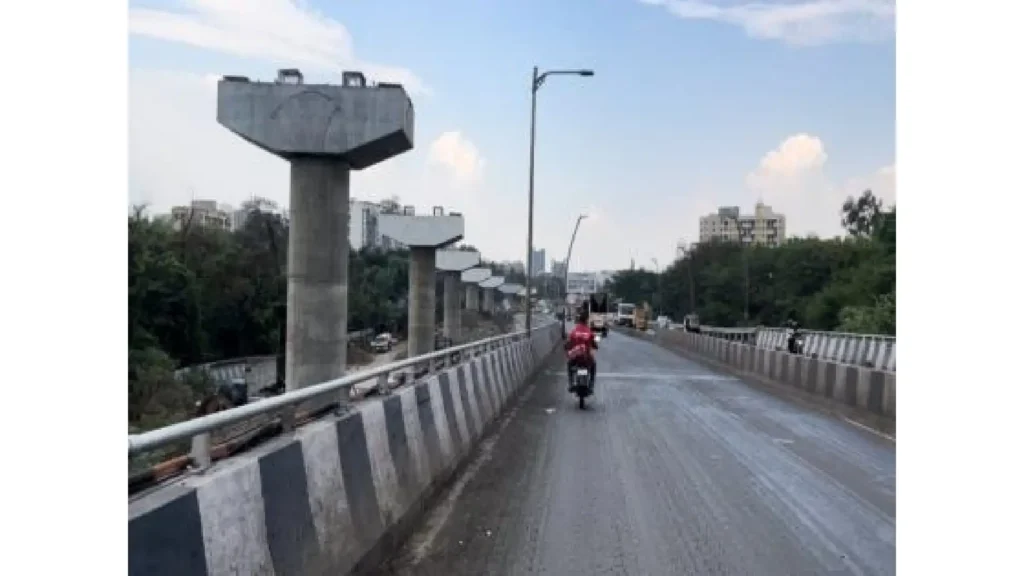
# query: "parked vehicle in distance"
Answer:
x=626 y=314
x=599 y=313
x=382 y=343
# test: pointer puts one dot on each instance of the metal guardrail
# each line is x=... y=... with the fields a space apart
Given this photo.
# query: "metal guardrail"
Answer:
x=284 y=406
x=261 y=370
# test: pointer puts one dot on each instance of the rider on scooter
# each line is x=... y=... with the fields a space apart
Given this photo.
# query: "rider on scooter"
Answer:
x=578 y=348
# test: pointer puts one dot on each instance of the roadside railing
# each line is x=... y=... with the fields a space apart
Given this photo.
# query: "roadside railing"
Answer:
x=869 y=350
x=257 y=371
x=281 y=413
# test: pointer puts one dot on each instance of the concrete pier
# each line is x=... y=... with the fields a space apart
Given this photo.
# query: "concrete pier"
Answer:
x=489 y=301
x=324 y=131
x=422 y=300
x=450 y=264
x=510 y=291
x=424 y=235
x=488 y=287
x=471 y=278
x=317 y=272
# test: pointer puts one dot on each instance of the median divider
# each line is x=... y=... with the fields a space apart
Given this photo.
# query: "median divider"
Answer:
x=337 y=495
x=865 y=390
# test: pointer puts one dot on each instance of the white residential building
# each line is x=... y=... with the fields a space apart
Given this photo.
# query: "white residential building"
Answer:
x=764 y=227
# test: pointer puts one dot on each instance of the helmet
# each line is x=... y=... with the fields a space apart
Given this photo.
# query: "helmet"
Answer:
x=582 y=316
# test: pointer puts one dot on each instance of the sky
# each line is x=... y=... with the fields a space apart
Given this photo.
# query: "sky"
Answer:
x=693 y=105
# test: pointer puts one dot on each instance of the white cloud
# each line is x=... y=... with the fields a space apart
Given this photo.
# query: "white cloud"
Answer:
x=284 y=32
x=459 y=156
x=792 y=179
x=798 y=22
x=177 y=149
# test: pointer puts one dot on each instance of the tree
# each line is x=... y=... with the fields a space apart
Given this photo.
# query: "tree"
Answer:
x=198 y=294
x=846 y=284
x=861 y=216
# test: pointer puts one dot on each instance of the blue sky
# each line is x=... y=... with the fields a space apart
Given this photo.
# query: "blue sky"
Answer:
x=693 y=105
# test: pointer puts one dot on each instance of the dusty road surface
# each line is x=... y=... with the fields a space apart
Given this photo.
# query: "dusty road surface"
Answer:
x=672 y=469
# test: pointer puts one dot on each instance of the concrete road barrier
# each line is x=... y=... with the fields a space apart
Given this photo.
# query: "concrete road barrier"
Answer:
x=337 y=494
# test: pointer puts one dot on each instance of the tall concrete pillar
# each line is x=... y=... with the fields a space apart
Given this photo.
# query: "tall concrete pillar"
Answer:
x=472 y=297
x=424 y=235
x=451 y=264
x=509 y=291
x=324 y=131
x=317 y=271
x=452 y=309
x=472 y=278
x=488 y=287
x=422 y=300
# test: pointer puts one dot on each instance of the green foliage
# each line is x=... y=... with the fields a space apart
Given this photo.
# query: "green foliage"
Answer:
x=198 y=295
x=844 y=284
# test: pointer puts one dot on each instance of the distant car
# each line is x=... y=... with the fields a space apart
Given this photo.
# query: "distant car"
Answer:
x=382 y=343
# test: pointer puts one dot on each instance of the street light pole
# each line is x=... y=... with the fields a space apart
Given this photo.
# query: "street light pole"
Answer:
x=655 y=298
x=529 y=223
x=568 y=255
x=537 y=82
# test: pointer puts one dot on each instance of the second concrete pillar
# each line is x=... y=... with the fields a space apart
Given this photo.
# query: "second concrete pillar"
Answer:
x=421 y=301
x=452 y=310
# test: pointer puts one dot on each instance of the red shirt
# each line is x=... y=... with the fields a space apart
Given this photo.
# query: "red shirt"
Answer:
x=579 y=343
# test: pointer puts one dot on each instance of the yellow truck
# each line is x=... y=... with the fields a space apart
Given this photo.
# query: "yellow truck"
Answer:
x=642 y=317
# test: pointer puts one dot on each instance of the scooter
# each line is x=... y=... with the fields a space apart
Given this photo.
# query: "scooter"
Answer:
x=795 y=342
x=582 y=385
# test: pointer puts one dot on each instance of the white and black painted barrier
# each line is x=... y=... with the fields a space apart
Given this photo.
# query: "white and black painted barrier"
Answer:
x=336 y=493
x=859 y=387
x=867 y=350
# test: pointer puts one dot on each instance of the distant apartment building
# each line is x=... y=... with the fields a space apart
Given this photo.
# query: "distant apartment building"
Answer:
x=204 y=213
x=509 y=266
x=764 y=227
x=558 y=268
x=587 y=282
x=364 y=224
x=363 y=229
x=683 y=248
x=537 y=262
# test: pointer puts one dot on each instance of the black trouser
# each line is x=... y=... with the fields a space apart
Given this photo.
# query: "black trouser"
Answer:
x=590 y=365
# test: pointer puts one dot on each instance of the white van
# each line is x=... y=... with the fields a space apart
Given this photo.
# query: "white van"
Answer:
x=626 y=315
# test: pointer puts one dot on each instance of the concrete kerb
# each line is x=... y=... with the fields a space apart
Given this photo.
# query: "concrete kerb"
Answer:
x=338 y=495
x=864 y=395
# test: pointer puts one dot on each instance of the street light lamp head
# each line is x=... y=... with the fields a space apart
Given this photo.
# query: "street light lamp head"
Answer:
x=586 y=73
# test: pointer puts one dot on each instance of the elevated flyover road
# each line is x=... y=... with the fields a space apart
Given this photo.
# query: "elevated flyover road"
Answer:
x=671 y=469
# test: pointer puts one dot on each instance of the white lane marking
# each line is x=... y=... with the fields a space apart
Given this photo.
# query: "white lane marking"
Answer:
x=870 y=429
x=655 y=376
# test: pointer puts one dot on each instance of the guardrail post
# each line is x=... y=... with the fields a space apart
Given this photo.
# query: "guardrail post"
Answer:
x=201 y=451
x=384 y=384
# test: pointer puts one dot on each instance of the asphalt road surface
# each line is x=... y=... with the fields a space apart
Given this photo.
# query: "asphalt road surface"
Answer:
x=671 y=469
